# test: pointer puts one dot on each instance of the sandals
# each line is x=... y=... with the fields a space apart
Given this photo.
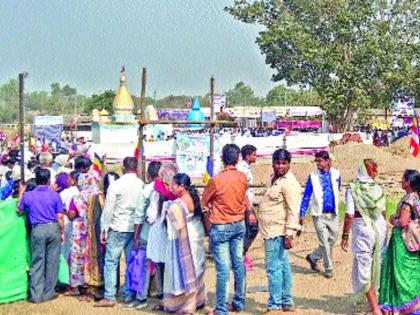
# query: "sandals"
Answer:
x=85 y=298
x=158 y=307
x=72 y=292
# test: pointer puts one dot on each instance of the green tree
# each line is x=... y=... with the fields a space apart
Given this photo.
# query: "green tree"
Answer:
x=100 y=101
x=9 y=101
x=354 y=54
x=242 y=95
x=283 y=96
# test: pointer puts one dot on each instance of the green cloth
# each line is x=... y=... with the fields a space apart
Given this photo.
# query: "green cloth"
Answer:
x=370 y=202
x=400 y=276
x=14 y=253
x=63 y=271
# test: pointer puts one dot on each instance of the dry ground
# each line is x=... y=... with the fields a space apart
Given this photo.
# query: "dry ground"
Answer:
x=313 y=294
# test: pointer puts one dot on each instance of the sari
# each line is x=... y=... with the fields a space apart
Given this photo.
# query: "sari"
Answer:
x=369 y=232
x=91 y=201
x=184 y=289
x=400 y=275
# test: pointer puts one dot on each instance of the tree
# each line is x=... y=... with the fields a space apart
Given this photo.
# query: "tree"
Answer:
x=99 y=102
x=9 y=101
x=354 y=54
x=281 y=95
x=242 y=95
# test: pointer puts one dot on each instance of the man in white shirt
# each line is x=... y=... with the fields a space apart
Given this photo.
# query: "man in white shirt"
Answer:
x=124 y=199
x=249 y=156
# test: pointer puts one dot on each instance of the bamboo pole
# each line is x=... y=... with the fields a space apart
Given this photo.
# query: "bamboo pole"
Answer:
x=212 y=122
x=141 y=125
x=22 y=126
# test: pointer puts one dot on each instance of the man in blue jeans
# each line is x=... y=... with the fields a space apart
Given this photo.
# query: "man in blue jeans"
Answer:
x=225 y=196
x=278 y=217
x=123 y=201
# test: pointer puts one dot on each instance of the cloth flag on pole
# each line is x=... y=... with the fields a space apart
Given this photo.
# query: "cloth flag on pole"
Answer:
x=414 y=142
x=208 y=173
x=97 y=165
x=137 y=150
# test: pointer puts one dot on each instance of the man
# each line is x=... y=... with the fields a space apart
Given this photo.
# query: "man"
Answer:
x=322 y=194
x=249 y=156
x=123 y=200
x=45 y=214
x=225 y=196
x=141 y=234
x=278 y=219
x=46 y=161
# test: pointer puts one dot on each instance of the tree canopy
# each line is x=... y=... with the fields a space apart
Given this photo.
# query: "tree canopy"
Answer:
x=242 y=95
x=355 y=54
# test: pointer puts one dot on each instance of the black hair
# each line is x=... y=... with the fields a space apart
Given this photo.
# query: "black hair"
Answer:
x=323 y=155
x=413 y=177
x=79 y=163
x=30 y=184
x=42 y=176
x=282 y=155
x=32 y=163
x=230 y=154
x=108 y=181
x=9 y=175
x=130 y=164
x=153 y=169
x=184 y=180
x=247 y=149
x=75 y=175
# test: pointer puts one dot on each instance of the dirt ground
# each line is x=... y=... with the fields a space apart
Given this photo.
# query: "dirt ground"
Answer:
x=313 y=294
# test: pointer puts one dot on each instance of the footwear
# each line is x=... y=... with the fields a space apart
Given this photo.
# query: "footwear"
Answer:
x=313 y=264
x=249 y=264
x=289 y=308
x=142 y=305
x=133 y=305
x=104 y=303
x=232 y=308
x=273 y=312
x=328 y=274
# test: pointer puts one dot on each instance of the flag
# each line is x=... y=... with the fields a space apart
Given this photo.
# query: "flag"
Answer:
x=208 y=173
x=97 y=165
x=414 y=142
x=137 y=150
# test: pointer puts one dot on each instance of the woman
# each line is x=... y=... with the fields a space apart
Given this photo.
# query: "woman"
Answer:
x=184 y=289
x=156 y=245
x=365 y=215
x=400 y=275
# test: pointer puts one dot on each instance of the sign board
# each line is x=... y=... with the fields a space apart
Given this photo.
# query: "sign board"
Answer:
x=48 y=128
x=219 y=102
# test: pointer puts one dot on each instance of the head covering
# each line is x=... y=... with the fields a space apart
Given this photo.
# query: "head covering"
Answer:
x=61 y=181
x=61 y=159
x=167 y=173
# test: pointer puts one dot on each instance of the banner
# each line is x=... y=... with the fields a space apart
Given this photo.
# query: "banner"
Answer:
x=48 y=128
x=14 y=254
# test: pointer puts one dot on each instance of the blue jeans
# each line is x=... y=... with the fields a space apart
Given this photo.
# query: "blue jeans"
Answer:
x=227 y=244
x=279 y=273
x=116 y=242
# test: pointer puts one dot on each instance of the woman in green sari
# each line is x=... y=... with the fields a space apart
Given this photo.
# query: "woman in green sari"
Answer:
x=400 y=274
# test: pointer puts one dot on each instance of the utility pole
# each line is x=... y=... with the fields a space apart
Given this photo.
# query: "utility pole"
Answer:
x=141 y=164
x=22 y=126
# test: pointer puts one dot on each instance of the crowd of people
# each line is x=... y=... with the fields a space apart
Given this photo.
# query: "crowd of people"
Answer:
x=161 y=226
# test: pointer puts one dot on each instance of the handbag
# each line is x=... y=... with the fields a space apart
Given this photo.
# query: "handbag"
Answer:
x=411 y=236
x=136 y=271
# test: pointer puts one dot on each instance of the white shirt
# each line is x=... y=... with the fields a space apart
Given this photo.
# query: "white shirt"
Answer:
x=245 y=168
x=67 y=195
x=124 y=199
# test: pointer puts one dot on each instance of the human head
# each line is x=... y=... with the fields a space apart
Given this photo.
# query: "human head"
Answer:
x=61 y=182
x=182 y=184
x=167 y=173
x=109 y=178
x=153 y=170
x=30 y=184
x=322 y=160
x=411 y=181
x=230 y=154
x=130 y=164
x=371 y=168
x=82 y=164
x=42 y=176
x=73 y=178
x=45 y=159
x=249 y=153
x=281 y=162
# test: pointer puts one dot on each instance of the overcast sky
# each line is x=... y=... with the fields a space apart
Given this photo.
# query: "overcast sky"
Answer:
x=84 y=44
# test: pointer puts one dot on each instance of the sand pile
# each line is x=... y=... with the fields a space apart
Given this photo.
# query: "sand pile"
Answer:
x=401 y=147
x=354 y=152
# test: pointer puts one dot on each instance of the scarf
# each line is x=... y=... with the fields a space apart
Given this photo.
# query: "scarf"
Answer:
x=161 y=188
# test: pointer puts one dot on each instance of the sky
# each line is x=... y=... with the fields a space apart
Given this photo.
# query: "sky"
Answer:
x=85 y=43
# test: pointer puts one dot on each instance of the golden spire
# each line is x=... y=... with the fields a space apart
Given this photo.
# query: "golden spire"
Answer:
x=123 y=103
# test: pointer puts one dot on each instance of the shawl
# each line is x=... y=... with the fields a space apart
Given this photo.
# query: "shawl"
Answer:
x=370 y=202
x=161 y=188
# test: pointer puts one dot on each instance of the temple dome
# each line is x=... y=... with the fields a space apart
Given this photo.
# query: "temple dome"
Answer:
x=123 y=102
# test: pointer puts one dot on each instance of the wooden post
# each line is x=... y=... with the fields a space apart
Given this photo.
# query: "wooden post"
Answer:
x=212 y=125
x=142 y=164
x=22 y=127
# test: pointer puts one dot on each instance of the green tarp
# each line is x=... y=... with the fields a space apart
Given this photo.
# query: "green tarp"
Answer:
x=14 y=254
